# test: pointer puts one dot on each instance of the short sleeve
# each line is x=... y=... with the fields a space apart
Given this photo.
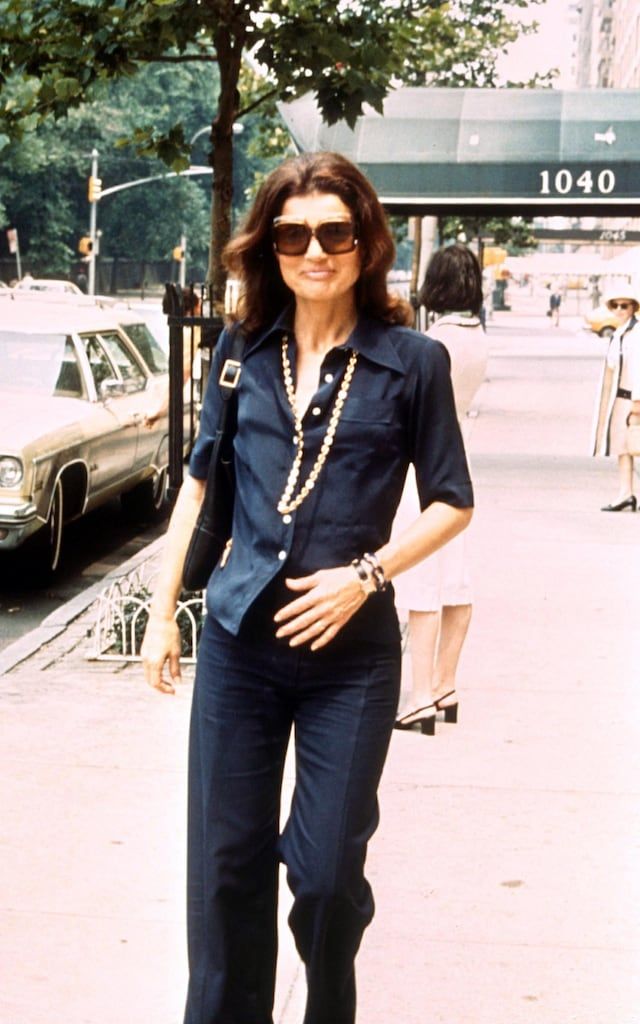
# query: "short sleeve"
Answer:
x=435 y=440
x=210 y=415
x=633 y=362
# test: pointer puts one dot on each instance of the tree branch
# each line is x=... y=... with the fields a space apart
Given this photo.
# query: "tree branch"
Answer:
x=257 y=102
x=178 y=59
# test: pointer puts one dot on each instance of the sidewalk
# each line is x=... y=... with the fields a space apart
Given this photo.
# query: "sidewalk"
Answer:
x=505 y=865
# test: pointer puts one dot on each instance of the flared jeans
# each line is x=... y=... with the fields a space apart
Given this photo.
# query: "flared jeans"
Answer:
x=341 y=704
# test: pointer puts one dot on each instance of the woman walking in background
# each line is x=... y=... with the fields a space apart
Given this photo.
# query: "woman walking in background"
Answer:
x=618 y=401
x=336 y=397
x=437 y=593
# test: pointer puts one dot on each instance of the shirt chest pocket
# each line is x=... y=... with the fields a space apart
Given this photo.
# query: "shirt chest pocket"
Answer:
x=370 y=412
x=369 y=428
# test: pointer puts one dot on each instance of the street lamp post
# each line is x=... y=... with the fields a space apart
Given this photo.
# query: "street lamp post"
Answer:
x=93 y=222
x=96 y=192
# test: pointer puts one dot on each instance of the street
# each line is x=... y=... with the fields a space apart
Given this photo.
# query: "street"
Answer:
x=93 y=546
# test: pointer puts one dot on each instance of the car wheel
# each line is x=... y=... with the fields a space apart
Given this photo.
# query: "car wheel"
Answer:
x=47 y=543
x=148 y=500
x=605 y=332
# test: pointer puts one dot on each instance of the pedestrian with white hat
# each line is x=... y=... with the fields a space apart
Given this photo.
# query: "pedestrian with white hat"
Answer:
x=618 y=402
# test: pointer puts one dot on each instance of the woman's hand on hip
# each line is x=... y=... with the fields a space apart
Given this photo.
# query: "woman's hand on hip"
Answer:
x=328 y=599
x=161 y=646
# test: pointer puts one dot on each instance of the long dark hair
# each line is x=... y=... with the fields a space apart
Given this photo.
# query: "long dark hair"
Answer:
x=250 y=256
x=453 y=281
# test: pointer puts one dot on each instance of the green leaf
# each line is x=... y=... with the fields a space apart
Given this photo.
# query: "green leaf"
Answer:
x=67 y=88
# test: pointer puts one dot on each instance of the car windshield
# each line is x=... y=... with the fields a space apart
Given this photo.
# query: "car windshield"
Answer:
x=31 y=361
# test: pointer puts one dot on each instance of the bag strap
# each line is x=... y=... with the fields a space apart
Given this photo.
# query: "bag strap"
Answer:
x=228 y=383
x=231 y=369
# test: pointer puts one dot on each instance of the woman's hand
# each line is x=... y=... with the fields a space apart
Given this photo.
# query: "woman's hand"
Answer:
x=161 y=646
x=329 y=598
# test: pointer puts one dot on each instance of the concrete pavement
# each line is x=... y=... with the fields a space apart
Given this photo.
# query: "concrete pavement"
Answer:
x=505 y=865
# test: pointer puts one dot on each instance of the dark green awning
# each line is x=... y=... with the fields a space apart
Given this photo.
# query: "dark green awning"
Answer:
x=436 y=150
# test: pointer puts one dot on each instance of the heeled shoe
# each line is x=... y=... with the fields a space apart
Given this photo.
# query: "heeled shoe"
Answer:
x=450 y=710
x=424 y=717
x=620 y=506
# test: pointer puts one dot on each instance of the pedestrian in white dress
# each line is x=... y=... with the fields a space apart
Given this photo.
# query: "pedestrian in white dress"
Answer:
x=437 y=593
x=618 y=401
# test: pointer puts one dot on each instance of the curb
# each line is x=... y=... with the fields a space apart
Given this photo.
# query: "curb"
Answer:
x=57 y=621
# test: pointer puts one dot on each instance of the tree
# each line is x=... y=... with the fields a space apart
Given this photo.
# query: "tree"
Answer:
x=514 y=233
x=54 y=54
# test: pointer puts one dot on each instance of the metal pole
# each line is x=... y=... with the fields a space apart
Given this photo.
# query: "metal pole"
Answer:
x=92 y=227
x=18 y=260
x=182 y=273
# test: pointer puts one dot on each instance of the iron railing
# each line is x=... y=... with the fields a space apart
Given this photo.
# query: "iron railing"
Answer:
x=193 y=325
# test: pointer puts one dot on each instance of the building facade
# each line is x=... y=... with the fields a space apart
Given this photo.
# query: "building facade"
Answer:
x=608 y=53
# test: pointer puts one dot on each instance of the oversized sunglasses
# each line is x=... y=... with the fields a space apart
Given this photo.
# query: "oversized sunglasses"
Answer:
x=620 y=305
x=292 y=237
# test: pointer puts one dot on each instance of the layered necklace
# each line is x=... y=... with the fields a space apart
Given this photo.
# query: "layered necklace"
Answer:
x=288 y=503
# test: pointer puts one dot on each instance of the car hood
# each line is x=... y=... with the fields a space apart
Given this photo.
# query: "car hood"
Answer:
x=28 y=417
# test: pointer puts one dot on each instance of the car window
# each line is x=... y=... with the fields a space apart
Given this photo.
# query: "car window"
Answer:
x=129 y=370
x=101 y=368
x=151 y=351
x=69 y=383
x=31 y=362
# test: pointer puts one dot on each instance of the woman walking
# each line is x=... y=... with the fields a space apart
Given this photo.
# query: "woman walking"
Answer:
x=618 y=401
x=336 y=397
x=437 y=593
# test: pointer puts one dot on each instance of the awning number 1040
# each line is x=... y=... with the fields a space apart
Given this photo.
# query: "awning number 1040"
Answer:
x=563 y=182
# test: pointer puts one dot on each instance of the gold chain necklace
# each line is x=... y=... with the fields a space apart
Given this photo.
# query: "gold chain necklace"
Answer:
x=287 y=502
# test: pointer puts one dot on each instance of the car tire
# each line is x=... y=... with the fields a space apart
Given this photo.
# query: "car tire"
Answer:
x=147 y=502
x=46 y=547
x=606 y=332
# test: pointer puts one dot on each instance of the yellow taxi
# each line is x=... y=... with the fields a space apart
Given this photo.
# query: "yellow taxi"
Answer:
x=601 y=321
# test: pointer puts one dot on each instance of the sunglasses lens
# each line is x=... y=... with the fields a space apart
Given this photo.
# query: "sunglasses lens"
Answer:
x=291 y=239
x=336 y=236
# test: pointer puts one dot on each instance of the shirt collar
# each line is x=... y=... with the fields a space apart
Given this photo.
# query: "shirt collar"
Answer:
x=459 y=319
x=369 y=338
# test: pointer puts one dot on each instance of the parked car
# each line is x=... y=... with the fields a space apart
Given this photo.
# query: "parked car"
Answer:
x=74 y=388
x=47 y=284
x=602 y=321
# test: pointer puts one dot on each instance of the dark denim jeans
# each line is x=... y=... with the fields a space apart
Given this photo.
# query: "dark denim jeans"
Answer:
x=341 y=703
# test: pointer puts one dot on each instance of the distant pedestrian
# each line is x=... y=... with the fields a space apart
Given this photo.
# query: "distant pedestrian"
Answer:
x=555 y=301
x=437 y=592
x=618 y=401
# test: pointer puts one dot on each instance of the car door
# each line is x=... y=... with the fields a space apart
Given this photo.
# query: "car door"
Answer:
x=136 y=382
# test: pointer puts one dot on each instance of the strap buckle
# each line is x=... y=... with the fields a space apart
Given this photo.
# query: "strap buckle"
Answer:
x=230 y=373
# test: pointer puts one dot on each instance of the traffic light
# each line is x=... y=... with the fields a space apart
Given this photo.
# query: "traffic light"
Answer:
x=85 y=246
x=178 y=253
x=94 y=190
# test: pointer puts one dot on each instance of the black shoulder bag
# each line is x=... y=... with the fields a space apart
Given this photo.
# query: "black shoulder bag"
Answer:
x=213 y=526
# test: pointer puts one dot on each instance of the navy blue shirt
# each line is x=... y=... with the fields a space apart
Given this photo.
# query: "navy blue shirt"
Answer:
x=399 y=410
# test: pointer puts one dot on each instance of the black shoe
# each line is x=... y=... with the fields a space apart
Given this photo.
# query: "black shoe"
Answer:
x=424 y=717
x=450 y=710
x=620 y=506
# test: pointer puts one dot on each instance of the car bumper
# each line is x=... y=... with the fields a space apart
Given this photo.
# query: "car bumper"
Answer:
x=17 y=522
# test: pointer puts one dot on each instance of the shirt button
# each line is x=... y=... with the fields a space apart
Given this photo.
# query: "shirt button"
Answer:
x=328 y=377
x=286 y=519
x=316 y=410
x=282 y=555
